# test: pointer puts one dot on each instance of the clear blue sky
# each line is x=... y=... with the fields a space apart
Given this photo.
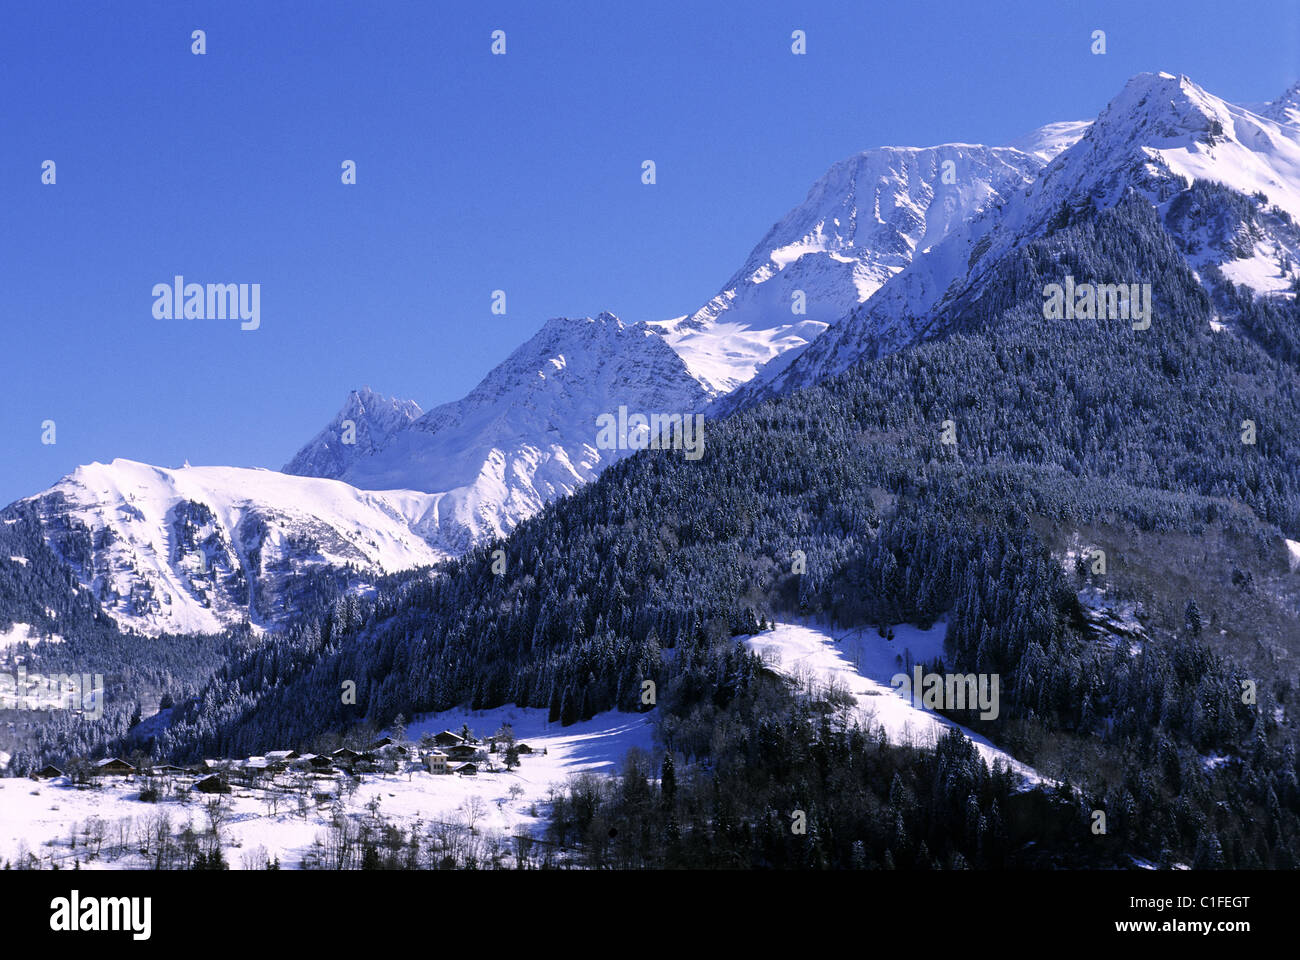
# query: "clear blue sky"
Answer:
x=475 y=173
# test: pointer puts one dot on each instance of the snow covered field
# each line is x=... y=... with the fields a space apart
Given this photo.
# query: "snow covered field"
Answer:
x=861 y=663
x=32 y=814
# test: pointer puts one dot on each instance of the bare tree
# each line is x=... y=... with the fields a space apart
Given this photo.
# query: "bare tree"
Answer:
x=473 y=809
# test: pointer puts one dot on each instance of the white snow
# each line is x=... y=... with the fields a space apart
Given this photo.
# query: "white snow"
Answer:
x=1293 y=554
x=862 y=663
x=22 y=560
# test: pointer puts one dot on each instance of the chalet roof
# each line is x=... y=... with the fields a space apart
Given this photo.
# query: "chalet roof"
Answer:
x=282 y=754
x=111 y=760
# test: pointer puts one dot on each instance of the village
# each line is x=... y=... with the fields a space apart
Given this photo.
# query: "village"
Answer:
x=441 y=754
x=467 y=796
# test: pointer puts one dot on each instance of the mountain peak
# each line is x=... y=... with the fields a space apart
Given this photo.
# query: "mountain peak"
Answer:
x=364 y=423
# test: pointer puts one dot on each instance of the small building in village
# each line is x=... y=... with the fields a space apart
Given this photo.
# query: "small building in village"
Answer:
x=462 y=751
x=435 y=761
x=48 y=772
x=212 y=783
x=465 y=769
x=257 y=767
x=448 y=739
x=113 y=767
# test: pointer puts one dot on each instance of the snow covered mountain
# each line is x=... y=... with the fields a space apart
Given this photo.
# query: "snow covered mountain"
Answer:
x=882 y=241
x=527 y=433
x=366 y=422
x=862 y=223
x=1158 y=136
x=200 y=548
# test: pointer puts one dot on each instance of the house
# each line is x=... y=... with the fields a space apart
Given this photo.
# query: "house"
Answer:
x=523 y=748
x=212 y=783
x=256 y=766
x=381 y=743
x=462 y=751
x=113 y=767
x=48 y=772
x=321 y=762
x=345 y=756
x=166 y=770
x=435 y=761
x=465 y=769
x=448 y=739
x=281 y=756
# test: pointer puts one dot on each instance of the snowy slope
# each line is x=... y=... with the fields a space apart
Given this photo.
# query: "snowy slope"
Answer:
x=862 y=664
x=527 y=433
x=1157 y=136
x=200 y=548
x=860 y=224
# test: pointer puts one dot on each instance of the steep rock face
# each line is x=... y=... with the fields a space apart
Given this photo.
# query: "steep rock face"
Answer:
x=861 y=224
x=1158 y=137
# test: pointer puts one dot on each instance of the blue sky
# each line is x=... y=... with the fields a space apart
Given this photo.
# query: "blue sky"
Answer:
x=475 y=173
